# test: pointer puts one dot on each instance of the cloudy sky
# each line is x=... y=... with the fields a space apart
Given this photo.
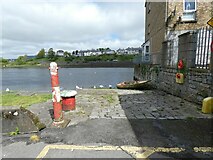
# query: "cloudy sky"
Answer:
x=29 y=25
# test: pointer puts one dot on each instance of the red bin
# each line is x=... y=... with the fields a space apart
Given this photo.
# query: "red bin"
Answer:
x=68 y=100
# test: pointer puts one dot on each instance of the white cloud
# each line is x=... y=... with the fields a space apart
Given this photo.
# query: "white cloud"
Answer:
x=28 y=26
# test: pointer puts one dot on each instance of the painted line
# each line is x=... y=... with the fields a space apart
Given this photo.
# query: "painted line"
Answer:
x=203 y=149
x=138 y=152
x=173 y=150
x=135 y=152
x=95 y=148
x=145 y=152
x=43 y=153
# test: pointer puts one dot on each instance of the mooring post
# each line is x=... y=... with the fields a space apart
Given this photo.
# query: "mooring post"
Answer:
x=56 y=97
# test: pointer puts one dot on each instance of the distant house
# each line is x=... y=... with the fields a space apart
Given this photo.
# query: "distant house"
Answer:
x=81 y=53
x=11 y=60
x=133 y=50
x=109 y=51
x=121 y=51
x=91 y=52
x=98 y=52
x=60 y=52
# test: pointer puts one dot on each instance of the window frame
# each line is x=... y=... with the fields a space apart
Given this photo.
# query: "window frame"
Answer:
x=147 y=47
x=194 y=10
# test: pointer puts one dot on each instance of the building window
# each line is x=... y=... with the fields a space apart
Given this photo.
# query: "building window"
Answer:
x=189 y=10
x=189 y=5
x=147 y=49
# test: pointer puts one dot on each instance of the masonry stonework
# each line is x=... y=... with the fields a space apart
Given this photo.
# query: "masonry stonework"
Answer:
x=197 y=82
x=197 y=85
x=175 y=10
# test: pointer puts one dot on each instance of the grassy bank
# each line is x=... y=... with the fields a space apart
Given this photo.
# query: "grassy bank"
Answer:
x=15 y=99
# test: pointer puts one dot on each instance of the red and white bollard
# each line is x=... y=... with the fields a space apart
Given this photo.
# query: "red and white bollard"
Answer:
x=56 y=97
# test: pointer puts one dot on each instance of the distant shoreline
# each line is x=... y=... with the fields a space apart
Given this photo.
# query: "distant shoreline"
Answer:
x=98 y=65
x=111 y=64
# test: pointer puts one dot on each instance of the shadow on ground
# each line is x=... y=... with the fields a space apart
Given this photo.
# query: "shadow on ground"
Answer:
x=162 y=132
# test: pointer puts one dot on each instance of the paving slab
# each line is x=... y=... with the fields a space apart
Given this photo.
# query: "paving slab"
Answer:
x=62 y=153
x=22 y=150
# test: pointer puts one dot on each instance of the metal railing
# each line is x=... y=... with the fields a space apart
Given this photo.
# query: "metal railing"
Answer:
x=203 y=51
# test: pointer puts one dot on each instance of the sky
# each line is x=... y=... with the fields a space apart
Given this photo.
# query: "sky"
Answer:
x=30 y=25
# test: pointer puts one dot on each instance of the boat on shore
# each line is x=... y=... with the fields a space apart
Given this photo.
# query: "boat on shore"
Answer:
x=134 y=85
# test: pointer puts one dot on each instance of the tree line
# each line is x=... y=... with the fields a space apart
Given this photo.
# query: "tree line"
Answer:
x=42 y=56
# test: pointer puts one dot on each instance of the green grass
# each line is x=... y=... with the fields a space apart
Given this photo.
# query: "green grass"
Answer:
x=14 y=99
x=109 y=98
x=16 y=132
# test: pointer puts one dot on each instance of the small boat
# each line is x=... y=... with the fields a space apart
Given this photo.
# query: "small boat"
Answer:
x=134 y=85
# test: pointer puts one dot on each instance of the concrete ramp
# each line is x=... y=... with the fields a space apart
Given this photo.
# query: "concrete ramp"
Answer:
x=21 y=119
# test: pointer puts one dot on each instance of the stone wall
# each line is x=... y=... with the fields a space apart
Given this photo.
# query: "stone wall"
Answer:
x=196 y=86
x=175 y=10
x=197 y=83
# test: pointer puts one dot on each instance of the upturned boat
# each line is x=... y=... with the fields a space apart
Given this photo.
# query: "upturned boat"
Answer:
x=134 y=85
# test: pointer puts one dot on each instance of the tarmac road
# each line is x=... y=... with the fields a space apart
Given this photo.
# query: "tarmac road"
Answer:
x=154 y=134
x=130 y=131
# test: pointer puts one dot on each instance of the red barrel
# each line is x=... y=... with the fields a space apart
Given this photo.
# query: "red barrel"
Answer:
x=68 y=103
x=68 y=100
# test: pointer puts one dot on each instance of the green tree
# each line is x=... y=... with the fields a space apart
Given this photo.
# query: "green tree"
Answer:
x=51 y=55
x=21 y=60
x=41 y=54
x=67 y=54
x=3 y=62
x=102 y=50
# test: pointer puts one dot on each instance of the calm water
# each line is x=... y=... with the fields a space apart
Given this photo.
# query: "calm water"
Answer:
x=38 y=79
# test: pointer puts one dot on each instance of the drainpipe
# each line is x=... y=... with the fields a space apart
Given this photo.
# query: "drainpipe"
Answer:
x=166 y=16
x=211 y=66
x=56 y=97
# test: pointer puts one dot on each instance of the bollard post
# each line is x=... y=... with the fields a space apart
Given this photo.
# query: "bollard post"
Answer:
x=56 y=98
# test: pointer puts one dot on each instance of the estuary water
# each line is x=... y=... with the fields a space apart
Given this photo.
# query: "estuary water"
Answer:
x=38 y=79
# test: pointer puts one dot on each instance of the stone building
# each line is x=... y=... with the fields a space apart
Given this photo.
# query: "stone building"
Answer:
x=165 y=21
x=178 y=31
